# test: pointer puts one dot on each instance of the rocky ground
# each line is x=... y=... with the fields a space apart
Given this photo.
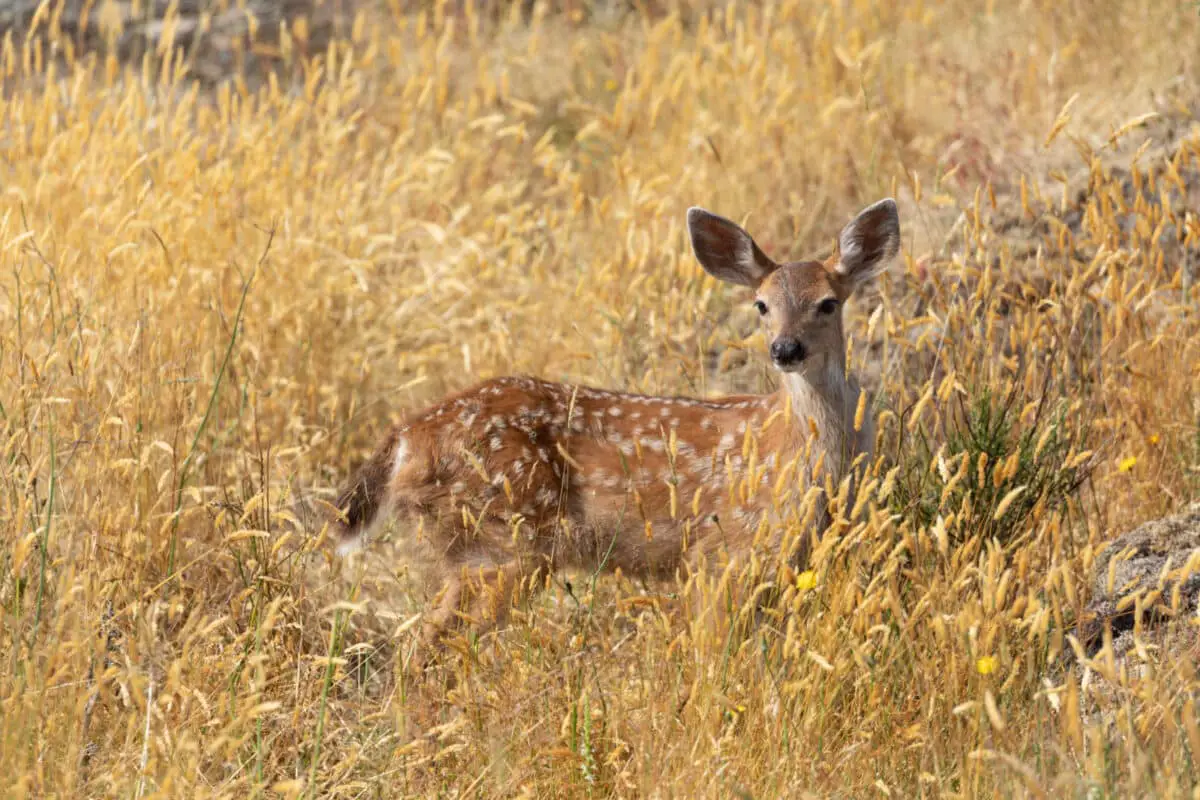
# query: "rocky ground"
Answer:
x=1145 y=578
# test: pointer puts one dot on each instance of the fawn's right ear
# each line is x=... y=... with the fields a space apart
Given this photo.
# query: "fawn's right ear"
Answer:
x=726 y=251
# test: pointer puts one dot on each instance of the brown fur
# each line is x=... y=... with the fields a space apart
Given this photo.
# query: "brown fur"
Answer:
x=517 y=477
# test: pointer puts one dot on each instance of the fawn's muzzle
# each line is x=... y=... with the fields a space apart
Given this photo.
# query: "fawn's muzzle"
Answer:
x=786 y=352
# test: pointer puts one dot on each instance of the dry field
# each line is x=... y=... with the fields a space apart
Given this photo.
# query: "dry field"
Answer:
x=215 y=296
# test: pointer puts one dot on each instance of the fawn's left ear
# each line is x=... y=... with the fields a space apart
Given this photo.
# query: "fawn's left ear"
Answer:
x=869 y=243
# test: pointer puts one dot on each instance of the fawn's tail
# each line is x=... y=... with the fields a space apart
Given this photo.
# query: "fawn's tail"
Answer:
x=362 y=499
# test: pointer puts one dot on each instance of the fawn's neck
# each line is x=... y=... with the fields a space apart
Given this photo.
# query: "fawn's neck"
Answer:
x=824 y=395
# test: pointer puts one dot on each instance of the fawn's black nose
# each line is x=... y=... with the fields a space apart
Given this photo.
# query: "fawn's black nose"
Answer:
x=787 y=351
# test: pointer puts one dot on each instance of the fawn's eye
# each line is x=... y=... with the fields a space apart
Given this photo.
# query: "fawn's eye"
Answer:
x=827 y=306
x=761 y=306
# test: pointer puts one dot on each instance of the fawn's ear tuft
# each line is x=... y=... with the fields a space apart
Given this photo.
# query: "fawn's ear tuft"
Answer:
x=725 y=250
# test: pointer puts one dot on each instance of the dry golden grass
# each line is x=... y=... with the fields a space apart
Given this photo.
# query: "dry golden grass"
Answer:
x=213 y=304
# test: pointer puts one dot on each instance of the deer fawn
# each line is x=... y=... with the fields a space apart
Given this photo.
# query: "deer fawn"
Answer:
x=518 y=477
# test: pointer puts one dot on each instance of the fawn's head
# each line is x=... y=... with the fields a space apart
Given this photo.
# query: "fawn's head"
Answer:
x=801 y=301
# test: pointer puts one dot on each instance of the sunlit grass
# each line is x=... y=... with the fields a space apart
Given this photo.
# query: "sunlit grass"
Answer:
x=216 y=298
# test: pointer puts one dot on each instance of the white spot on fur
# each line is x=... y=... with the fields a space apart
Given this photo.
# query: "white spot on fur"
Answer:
x=700 y=469
x=544 y=454
x=496 y=443
x=615 y=411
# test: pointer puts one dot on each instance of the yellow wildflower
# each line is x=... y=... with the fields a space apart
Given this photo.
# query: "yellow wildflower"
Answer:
x=1127 y=463
x=986 y=665
x=806 y=580
x=1154 y=438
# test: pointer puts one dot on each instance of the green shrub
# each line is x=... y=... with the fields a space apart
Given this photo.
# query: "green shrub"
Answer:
x=986 y=453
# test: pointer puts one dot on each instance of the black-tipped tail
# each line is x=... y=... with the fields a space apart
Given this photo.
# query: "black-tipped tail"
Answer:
x=362 y=499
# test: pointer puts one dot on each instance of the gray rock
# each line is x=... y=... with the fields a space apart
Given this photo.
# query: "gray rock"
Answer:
x=1150 y=564
x=212 y=34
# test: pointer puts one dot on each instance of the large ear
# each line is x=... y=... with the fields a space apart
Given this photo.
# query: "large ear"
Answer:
x=869 y=242
x=725 y=250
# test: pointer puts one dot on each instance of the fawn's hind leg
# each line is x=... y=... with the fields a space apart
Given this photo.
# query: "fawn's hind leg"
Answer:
x=476 y=597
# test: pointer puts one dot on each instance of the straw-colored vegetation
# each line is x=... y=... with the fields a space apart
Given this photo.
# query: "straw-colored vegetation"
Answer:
x=215 y=298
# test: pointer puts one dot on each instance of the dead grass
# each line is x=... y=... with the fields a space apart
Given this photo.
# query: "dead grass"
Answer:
x=213 y=303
